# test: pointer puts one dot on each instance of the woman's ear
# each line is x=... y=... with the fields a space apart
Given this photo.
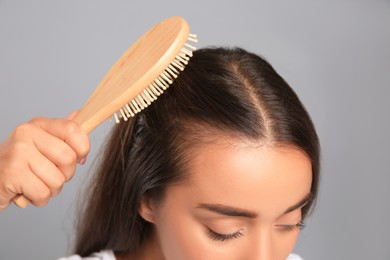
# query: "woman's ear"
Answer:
x=147 y=209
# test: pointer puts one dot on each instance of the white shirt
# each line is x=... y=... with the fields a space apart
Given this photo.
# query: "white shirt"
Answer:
x=109 y=255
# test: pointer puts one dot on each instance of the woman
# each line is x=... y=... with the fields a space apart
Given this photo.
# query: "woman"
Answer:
x=224 y=165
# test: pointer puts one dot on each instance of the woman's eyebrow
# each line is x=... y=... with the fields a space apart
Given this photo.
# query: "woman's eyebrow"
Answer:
x=300 y=203
x=238 y=212
x=227 y=210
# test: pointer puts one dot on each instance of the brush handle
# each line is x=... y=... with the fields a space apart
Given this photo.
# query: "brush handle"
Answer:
x=21 y=201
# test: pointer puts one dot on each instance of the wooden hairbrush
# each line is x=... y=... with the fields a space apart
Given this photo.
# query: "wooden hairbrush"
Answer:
x=140 y=75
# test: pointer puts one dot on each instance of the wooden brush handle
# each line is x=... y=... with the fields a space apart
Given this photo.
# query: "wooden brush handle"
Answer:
x=21 y=201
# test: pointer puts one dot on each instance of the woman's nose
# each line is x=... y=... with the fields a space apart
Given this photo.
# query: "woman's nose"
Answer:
x=262 y=248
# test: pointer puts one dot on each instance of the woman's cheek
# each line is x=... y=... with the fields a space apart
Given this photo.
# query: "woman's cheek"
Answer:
x=185 y=238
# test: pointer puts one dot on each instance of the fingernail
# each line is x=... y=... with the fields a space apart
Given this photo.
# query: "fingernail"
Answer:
x=83 y=160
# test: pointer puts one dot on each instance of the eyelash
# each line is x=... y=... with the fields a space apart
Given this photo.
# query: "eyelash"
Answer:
x=226 y=237
x=290 y=228
x=223 y=237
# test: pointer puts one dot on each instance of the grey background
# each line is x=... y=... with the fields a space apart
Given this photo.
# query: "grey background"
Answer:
x=335 y=54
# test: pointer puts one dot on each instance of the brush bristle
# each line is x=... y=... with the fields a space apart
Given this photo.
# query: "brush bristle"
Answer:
x=160 y=84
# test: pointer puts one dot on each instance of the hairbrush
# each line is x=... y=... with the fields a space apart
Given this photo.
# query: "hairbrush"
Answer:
x=138 y=77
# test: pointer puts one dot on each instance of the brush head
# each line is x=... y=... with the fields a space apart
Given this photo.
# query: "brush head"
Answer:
x=141 y=74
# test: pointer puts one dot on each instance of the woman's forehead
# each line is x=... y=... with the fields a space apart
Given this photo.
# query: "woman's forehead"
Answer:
x=248 y=174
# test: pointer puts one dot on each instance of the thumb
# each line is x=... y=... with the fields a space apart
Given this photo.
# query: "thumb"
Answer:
x=73 y=114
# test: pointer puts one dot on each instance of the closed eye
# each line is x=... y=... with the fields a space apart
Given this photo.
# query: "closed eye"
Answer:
x=290 y=228
x=223 y=237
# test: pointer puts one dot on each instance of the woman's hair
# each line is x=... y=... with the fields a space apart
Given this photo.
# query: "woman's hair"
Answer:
x=222 y=92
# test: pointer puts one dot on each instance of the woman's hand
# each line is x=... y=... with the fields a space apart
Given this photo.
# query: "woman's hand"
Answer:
x=39 y=157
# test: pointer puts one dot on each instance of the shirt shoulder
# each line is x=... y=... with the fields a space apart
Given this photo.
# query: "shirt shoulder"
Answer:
x=102 y=255
x=109 y=255
x=294 y=257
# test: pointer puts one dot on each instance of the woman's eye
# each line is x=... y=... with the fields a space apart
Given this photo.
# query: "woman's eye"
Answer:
x=223 y=237
x=296 y=227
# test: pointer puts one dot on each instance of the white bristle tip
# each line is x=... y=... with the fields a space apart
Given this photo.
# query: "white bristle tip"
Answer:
x=190 y=46
x=116 y=118
x=128 y=108
x=193 y=39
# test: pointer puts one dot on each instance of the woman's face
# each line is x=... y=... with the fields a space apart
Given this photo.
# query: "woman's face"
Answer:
x=241 y=201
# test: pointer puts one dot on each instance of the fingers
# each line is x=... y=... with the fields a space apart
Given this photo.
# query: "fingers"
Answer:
x=68 y=131
x=39 y=157
x=35 y=190
x=16 y=176
x=49 y=175
x=59 y=153
x=72 y=115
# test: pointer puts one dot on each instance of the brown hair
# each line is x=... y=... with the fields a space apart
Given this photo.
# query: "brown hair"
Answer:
x=230 y=91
